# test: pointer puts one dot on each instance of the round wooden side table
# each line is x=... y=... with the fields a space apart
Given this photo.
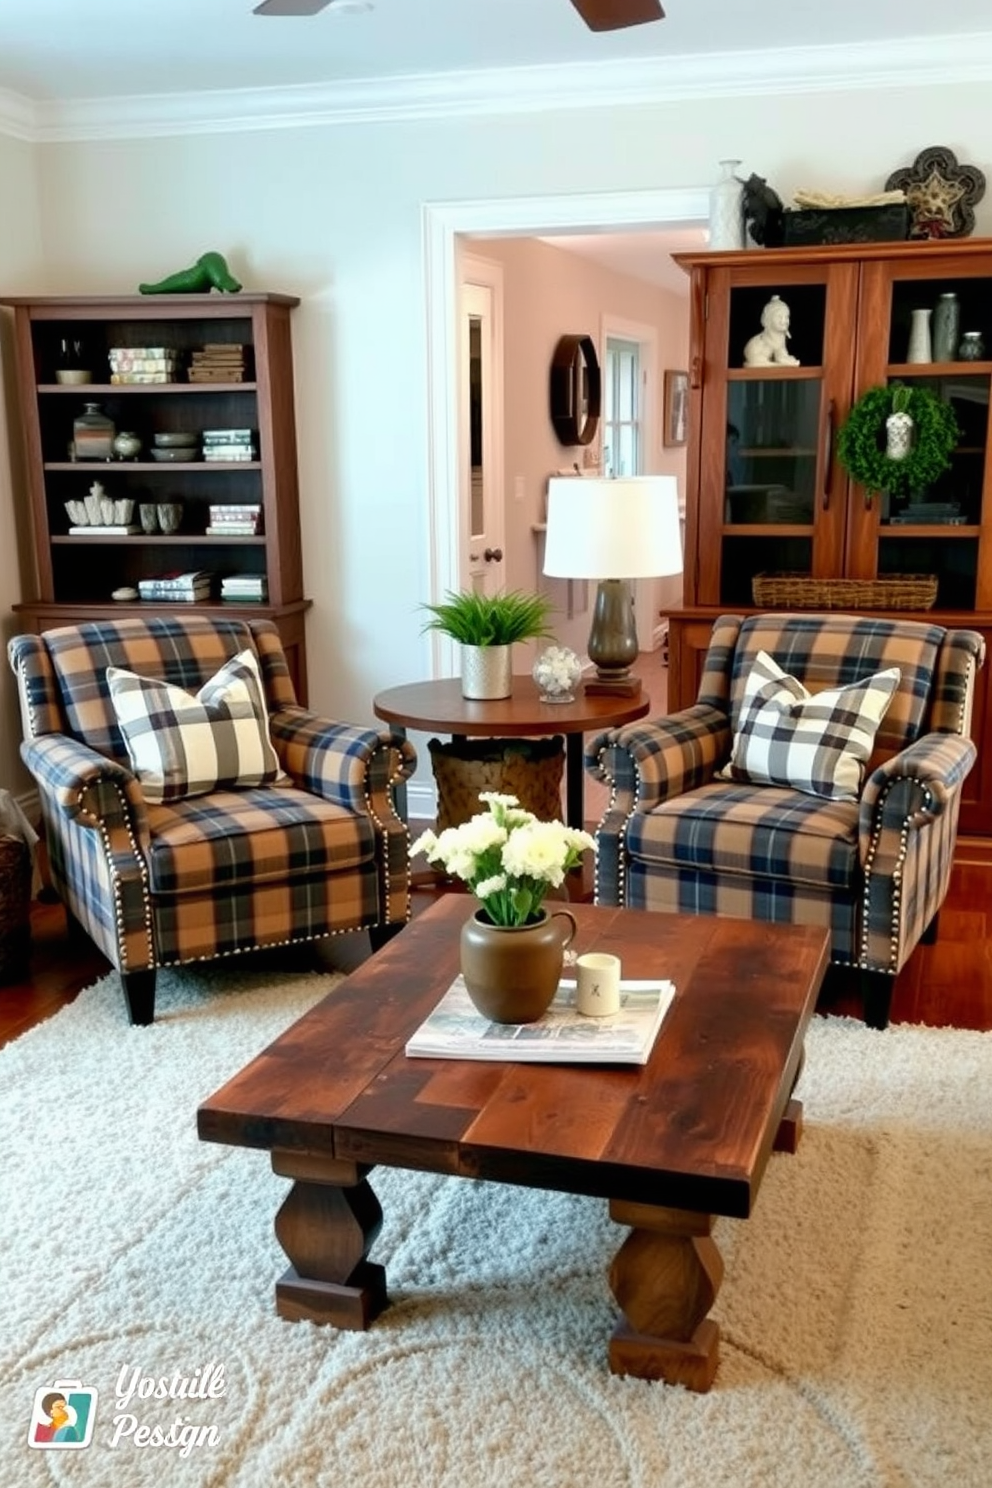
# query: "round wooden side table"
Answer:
x=439 y=705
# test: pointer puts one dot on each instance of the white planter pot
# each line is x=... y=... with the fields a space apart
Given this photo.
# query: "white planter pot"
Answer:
x=486 y=672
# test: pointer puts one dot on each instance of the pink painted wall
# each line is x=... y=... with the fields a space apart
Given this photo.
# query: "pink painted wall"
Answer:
x=549 y=292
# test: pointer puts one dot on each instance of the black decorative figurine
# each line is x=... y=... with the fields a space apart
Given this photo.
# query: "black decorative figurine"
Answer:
x=763 y=212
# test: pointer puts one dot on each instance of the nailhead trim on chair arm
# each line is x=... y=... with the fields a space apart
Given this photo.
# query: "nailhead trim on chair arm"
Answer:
x=74 y=771
x=937 y=764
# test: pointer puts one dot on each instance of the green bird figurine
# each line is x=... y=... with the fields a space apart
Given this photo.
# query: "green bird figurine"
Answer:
x=209 y=272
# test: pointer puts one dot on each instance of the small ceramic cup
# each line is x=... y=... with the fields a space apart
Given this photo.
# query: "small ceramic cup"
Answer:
x=170 y=514
x=148 y=516
x=597 y=984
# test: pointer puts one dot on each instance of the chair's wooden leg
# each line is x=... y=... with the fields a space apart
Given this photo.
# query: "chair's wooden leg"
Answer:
x=876 y=992
x=139 y=994
x=929 y=936
x=380 y=935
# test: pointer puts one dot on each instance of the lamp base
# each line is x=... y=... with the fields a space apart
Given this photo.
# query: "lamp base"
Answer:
x=612 y=687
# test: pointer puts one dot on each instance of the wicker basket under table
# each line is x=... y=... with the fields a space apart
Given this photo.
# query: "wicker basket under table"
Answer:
x=802 y=592
x=530 y=769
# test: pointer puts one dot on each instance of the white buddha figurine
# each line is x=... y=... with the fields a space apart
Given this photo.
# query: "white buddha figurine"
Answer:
x=768 y=348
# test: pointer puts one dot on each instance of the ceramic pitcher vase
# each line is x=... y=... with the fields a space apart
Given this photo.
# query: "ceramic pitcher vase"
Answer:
x=512 y=972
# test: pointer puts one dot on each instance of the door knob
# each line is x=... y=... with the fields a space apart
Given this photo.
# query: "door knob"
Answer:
x=493 y=555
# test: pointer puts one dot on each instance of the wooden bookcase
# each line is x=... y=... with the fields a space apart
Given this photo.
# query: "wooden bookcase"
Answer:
x=765 y=490
x=75 y=575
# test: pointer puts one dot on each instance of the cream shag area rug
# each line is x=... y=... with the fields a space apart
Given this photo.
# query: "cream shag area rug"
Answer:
x=856 y=1313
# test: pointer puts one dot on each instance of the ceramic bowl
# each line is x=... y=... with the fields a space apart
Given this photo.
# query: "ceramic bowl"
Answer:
x=73 y=376
x=178 y=452
x=176 y=440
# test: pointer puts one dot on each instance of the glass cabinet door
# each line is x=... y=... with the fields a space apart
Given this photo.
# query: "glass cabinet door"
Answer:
x=937 y=529
x=769 y=485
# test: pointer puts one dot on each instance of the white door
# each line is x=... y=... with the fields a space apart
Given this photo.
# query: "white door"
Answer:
x=481 y=521
x=629 y=397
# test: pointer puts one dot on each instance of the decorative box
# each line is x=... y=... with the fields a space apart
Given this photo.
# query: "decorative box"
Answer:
x=809 y=226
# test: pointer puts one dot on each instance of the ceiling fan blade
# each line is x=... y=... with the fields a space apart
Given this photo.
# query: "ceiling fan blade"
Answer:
x=291 y=7
x=613 y=15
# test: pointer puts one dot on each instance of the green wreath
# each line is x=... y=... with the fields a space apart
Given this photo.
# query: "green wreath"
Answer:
x=861 y=440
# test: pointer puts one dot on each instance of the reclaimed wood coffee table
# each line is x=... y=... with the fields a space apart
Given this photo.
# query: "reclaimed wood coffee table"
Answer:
x=669 y=1145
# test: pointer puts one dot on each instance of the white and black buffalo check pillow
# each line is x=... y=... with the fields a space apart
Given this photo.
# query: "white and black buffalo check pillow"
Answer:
x=180 y=745
x=814 y=742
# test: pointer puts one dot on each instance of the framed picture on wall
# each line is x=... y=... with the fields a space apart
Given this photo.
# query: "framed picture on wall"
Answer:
x=676 y=407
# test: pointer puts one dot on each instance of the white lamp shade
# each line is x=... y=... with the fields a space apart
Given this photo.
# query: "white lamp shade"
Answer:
x=613 y=529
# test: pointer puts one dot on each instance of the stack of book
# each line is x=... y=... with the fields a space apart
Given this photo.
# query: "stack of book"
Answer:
x=228 y=444
x=180 y=588
x=235 y=521
x=218 y=361
x=141 y=364
x=244 y=588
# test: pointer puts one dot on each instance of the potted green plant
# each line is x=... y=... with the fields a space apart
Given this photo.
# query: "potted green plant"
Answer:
x=486 y=626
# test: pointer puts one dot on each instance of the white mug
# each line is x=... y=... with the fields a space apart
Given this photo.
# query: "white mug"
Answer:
x=597 y=984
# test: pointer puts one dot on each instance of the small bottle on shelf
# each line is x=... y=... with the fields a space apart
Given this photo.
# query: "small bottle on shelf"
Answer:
x=93 y=434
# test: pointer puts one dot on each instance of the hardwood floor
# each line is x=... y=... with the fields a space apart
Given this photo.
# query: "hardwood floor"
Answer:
x=946 y=984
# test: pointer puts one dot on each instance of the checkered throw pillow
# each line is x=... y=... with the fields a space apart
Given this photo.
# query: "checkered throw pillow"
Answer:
x=180 y=745
x=818 y=743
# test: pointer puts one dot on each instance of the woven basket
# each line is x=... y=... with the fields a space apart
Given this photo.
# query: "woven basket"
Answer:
x=15 y=899
x=530 y=769
x=800 y=591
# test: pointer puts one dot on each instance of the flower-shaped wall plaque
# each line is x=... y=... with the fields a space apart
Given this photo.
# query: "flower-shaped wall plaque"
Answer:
x=941 y=194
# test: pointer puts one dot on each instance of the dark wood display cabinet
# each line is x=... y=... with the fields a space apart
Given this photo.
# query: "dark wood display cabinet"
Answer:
x=766 y=493
x=249 y=368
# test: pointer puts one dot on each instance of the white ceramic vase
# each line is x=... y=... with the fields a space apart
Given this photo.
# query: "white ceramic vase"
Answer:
x=727 y=208
x=919 y=337
x=487 y=672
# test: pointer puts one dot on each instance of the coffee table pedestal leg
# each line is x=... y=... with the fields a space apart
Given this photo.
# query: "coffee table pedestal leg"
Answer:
x=326 y=1226
x=665 y=1278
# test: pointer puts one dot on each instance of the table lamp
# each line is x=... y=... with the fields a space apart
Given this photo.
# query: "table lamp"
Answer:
x=613 y=531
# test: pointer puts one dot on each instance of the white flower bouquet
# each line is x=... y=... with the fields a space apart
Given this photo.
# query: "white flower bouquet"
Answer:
x=556 y=672
x=507 y=857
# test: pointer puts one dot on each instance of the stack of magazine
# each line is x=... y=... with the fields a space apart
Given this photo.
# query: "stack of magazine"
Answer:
x=457 y=1030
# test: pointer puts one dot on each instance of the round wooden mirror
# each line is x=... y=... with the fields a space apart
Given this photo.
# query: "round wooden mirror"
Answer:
x=576 y=390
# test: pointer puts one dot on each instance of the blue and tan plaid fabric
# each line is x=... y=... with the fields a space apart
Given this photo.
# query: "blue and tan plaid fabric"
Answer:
x=874 y=871
x=160 y=884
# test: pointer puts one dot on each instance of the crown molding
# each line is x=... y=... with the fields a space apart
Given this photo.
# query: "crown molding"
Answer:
x=900 y=63
x=18 y=116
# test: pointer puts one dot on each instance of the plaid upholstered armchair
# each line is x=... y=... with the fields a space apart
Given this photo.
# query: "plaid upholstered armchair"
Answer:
x=183 y=828
x=816 y=779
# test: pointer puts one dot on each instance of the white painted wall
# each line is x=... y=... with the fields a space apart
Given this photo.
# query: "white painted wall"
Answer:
x=333 y=214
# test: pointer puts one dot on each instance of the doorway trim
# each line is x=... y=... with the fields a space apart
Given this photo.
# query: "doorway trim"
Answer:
x=486 y=275
x=443 y=224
